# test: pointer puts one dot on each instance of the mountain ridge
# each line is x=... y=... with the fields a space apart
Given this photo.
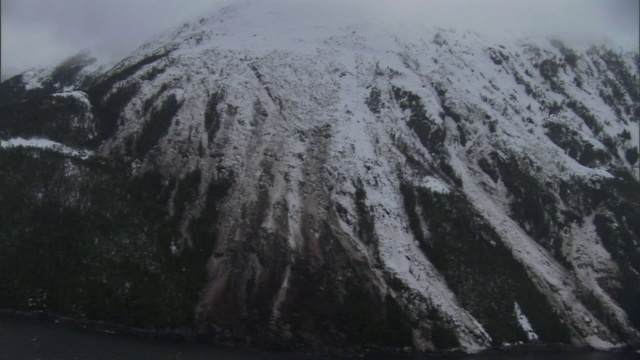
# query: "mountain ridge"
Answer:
x=342 y=189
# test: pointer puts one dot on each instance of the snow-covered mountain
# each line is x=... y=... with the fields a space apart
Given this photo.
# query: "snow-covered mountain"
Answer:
x=268 y=177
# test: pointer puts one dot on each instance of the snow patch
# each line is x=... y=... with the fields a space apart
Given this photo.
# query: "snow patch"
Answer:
x=435 y=185
x=599 y=344
x=78 y=95
x=34 y=79
x=524 y=323
x=45 y=144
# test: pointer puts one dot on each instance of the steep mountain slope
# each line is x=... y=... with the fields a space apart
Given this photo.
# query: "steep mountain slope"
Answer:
x=265 y=177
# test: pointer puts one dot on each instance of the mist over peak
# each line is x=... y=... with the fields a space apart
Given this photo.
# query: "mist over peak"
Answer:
x=39 y=33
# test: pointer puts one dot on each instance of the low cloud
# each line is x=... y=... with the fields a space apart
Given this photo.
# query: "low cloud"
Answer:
x=617 y=20
x=44 y=32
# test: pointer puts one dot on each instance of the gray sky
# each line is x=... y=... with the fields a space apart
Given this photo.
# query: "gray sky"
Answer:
x=44 y=32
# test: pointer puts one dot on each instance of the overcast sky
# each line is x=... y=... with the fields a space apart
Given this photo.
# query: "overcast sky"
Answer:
x=44 y=32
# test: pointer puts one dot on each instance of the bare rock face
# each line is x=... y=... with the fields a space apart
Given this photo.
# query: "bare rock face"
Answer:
x=292 y=183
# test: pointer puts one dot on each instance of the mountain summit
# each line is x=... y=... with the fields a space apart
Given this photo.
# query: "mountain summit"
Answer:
x=267 y=177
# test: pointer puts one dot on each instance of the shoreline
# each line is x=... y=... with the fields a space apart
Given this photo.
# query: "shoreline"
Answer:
x=99 y=326
x=189 y=336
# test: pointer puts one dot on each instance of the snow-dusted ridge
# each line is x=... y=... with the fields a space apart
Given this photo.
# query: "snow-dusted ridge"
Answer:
x=321 y=119
x=336 y=65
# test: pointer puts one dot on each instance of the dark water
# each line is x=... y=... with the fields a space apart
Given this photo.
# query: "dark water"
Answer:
x=41 y=340
x=31 y=339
